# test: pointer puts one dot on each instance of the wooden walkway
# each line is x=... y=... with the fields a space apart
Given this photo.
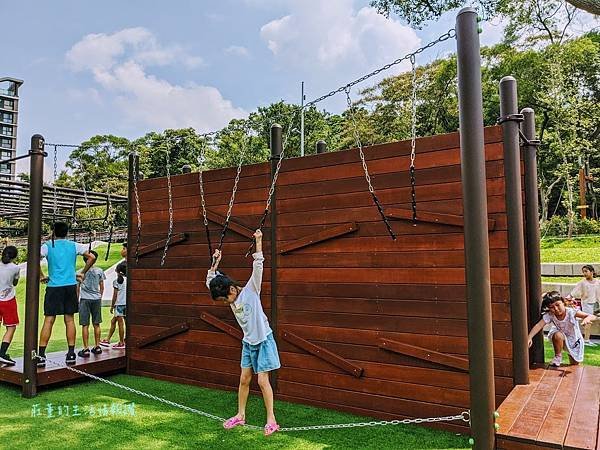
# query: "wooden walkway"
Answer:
x=558 y=409
x=107 y=362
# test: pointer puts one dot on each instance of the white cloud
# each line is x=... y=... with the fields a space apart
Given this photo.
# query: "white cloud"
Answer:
x=238 y=50
x=119 y=64
x=332 y=35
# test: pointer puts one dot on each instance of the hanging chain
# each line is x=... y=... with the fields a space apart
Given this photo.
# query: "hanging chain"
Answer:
x=444 y=37
x=55 y=207
x=464 y=416
x=235 y=187
x=275 y=176
x=86 y=200
x=201 y=160
x=169 y=187
x=135 y=169
x=413 y=139
x=111 y=222
x=364 y=163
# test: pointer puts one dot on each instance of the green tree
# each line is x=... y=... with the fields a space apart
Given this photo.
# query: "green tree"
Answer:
x=417 y=12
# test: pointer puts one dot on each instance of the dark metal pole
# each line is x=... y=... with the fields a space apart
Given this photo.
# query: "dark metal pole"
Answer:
x=32 y=290
x=516 y=243
x=477 y=262
x=532 y=227
x=276 y=149
x=134 y=166
x=321 y=147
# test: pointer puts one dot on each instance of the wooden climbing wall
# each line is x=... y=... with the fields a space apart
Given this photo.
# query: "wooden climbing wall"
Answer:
x=364 y=324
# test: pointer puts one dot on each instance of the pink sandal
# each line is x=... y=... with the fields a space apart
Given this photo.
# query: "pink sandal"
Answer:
x=271 y=428
x=233 y=422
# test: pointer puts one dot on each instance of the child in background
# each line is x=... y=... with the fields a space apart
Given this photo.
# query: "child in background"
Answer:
x=588 y=291
x=259 y=350
x=118 y=308
x=61 y=292
x=565 y=332
x=89 y=291
x=9 y=278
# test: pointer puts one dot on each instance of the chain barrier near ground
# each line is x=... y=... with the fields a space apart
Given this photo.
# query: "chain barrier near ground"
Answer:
x=464 y=416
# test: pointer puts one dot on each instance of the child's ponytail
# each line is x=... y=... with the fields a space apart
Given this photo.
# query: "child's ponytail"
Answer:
x=121 y=272
x=9 y=254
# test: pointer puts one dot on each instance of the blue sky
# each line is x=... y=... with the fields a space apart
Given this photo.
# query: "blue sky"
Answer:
x=129 y=67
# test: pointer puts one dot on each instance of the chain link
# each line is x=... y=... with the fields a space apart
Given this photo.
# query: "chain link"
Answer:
x=86 y=200
x=201 y=160
x=444 y=37
x=235 y=187
x=364 y=163
x=170 y=192
x=465 y=416
x=284 y=145
x=413 y=139
x=137 y=205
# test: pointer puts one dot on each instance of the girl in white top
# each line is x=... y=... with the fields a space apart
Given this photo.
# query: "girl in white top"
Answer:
x=9 y=277
x=588 y=291
x=259 y=349
x=564 y=333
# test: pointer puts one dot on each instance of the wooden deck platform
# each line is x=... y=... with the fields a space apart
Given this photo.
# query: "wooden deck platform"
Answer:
x=107 y=362
x=558 y=409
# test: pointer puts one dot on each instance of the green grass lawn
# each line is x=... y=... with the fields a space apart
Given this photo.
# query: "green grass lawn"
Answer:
x=157 y=426
x=568 y=280
x=580 y=249
x=591 y=355
x=58 y=341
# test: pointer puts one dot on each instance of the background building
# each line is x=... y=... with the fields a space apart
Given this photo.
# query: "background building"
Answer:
x=9 y=107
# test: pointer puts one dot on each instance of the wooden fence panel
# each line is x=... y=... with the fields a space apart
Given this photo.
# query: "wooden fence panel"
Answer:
x=344 y=287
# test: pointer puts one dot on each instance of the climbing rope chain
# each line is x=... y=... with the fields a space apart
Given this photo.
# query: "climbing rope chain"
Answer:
x=280 y=157
x=170 y=194
x=463 y=416
x=135 y=169
x=364 y=163
x=201 y=160
x=413 y=138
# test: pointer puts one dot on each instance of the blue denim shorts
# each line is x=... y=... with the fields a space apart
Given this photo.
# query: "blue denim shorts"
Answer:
x=261 y=357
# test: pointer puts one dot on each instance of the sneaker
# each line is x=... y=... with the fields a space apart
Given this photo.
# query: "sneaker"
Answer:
x=96 y=350
x=590 y=344
x=119 y=346
x=105 y=343
x=85 y=353
x=40 y=362
x=71 y=358
x=6 y=359
x=556 y=361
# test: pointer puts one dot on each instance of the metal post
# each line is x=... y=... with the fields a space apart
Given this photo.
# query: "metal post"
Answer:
x=477 y=262
x=276 y=148
x=516 y=243
x=532 y=229
x=134 y=168
x=32 y=290
x=302 y=122
x=321 y=147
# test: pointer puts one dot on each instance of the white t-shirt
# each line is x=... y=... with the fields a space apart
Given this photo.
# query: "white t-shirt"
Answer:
x=247 y=308
x=121 y=289
x=8 y=274
x=570 y=328
x=587 y=291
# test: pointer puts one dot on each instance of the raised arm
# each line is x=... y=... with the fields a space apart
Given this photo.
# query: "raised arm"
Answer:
x=90 y=259
x=255 y=281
